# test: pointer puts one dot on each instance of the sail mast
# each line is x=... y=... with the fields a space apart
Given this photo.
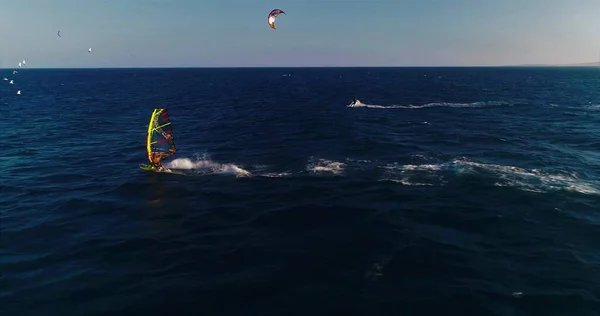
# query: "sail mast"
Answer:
x=160 y=138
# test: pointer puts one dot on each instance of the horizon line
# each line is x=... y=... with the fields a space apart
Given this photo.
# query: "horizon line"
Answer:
x=583 y=64
x=592 y=64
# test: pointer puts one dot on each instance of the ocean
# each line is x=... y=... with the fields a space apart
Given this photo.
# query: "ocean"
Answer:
x=447 y=191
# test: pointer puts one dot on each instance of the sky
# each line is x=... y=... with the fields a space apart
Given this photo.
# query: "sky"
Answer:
x=235 y=33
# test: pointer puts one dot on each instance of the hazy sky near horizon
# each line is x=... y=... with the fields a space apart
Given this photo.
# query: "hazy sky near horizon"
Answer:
x=179 y=33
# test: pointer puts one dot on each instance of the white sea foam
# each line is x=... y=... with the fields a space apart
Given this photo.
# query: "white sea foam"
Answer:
x=324 y=165
x=415 y=175
x=275 y=174
x=205 y=165
x=424 y=171
x=533 y=180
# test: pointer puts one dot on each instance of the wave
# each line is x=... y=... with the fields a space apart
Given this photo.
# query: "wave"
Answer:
x=591 y=107
x=259 y=170
x=325 y=166
x=415 y=175
x=534 y=180
x=425 y=173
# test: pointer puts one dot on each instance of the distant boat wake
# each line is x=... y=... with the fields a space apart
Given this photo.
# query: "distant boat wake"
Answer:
x=359 y=104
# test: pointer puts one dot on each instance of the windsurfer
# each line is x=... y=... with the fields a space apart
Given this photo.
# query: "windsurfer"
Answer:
x=159 y=140
x=155 y=159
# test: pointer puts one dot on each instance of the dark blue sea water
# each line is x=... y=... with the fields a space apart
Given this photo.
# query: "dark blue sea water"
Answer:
x=449 y=191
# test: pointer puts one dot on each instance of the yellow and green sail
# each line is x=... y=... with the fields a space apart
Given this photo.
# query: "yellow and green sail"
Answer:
x=160 y=139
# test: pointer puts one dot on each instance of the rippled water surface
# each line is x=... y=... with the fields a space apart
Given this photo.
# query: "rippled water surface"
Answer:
x=467 y=191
